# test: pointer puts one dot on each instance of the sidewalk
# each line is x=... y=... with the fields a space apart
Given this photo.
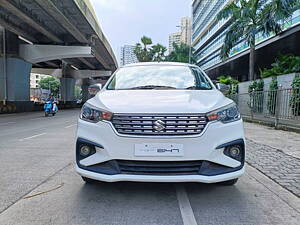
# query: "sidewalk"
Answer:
x=276 y=154
x=288 y=142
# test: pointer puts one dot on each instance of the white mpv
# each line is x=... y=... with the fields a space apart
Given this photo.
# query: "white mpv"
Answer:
x=160 y=122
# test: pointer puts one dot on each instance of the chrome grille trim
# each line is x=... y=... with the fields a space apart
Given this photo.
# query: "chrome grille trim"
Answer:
x=175 y=124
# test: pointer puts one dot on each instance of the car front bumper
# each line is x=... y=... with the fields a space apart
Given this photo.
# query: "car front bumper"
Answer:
x=204 y=148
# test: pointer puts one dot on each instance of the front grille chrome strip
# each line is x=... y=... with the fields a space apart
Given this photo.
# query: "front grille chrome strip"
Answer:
x=171 y=124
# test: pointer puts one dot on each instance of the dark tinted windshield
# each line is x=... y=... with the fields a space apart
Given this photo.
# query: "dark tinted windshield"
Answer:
x=159 y=77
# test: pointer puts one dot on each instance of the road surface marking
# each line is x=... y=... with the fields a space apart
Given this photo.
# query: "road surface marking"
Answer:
x=7 y=123
x=71 y=125
x=186 y=210
x=34 y=136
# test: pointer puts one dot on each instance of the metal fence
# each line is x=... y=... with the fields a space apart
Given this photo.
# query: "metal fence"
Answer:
x=280 y=106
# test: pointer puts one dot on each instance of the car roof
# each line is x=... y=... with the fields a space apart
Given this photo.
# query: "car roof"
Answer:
x=158 y=64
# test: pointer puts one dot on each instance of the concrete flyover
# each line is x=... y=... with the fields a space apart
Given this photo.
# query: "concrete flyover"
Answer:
x=55 y=37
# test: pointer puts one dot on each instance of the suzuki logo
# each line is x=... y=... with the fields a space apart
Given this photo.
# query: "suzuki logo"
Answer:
x=159 y=125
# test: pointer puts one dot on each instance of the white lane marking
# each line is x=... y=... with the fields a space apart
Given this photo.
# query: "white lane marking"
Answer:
x=7 y=123
x=71 y=125
x=186 y=210
x=34 y=136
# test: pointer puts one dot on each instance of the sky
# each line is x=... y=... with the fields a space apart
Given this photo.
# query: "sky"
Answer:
x=126 y=21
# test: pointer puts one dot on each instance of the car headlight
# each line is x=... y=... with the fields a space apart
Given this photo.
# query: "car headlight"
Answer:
x=92 y=114
x=225 y=114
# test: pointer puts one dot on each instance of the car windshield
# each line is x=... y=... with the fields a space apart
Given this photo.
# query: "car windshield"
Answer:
x=159 y=77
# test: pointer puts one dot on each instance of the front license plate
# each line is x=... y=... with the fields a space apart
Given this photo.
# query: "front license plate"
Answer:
x=158 y=149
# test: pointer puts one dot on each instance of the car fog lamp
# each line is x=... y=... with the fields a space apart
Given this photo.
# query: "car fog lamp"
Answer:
x=234 y=151
x=85 y=150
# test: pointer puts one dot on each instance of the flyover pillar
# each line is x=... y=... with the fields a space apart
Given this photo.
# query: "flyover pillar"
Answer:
x=67 y=83
x=84 y=88
x=14 y=75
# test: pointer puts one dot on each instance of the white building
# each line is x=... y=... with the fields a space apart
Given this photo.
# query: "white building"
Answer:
x=127 y=55
x=184 y=36
x=174 y=38
x=35 y=79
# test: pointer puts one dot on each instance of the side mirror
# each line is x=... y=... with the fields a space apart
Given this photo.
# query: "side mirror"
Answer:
x=94 y=89
x=223 y=88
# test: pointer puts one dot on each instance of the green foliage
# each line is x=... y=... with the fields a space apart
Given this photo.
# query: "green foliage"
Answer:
x=228 y=80
x=256 y=94
x=52 y=83
x=78 y=92
x=284 y=64
x=272 y=96
x=295 y=98
x=146 y=52
x=181 y=53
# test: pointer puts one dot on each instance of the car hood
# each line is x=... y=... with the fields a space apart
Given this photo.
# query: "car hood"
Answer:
x=159 y=101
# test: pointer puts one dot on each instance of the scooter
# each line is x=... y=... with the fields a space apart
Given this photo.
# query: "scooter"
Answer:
x=50 y=108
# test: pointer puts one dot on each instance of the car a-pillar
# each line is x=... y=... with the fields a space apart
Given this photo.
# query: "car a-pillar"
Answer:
x=14 y=75
x=67 y=87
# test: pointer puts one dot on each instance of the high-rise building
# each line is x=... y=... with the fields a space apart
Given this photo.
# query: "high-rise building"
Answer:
x=174 y=38
x=208 y=35
x=127 y=55
x=186 y=30
x=184 y=36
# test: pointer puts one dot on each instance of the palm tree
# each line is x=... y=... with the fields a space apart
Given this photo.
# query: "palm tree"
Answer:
x=249 y=17
x=159 y=52
x=144 y=53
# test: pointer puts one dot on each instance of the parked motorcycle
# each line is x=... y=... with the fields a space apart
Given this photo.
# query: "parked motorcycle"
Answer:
x=50 y=108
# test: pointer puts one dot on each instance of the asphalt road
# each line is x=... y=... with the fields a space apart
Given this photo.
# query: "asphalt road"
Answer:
x=36 y=157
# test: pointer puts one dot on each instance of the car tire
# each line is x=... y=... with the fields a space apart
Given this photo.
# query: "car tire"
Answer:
x=88 y=180
x=229 y=182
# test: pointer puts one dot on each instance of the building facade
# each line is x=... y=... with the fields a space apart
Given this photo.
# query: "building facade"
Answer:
x=184 y=36
x=35 y=79
x=208 y=36
x=127 y=55
x=174 y=38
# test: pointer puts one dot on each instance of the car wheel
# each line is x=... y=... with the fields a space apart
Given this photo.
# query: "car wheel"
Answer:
x=229 y=182
x=88 y=180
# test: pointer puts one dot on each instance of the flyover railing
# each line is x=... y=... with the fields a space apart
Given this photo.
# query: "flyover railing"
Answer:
x=280 y=106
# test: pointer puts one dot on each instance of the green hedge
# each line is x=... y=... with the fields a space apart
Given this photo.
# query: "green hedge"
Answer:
x=295 y=98
x=284 y=64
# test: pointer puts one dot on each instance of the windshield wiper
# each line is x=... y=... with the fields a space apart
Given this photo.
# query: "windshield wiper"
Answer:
x=152 y=87
x=197 y=88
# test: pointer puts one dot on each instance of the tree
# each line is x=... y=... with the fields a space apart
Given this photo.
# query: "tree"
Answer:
x=181 y=53
x=51 y=83
x=158 y=52
x=143 y=51
x=146 y=52
x=249 y=17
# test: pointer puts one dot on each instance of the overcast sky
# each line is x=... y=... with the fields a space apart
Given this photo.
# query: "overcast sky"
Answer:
x=126 y=21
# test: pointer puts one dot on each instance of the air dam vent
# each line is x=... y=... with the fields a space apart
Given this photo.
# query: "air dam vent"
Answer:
x=159 y=124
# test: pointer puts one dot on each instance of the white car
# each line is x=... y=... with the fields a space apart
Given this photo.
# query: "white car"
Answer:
x=160 y=122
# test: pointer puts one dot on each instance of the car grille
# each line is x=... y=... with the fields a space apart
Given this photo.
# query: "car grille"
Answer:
x=159 y=167
x=159 y=124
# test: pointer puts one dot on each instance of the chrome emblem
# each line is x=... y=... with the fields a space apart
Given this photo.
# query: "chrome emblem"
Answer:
x=159 y=125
